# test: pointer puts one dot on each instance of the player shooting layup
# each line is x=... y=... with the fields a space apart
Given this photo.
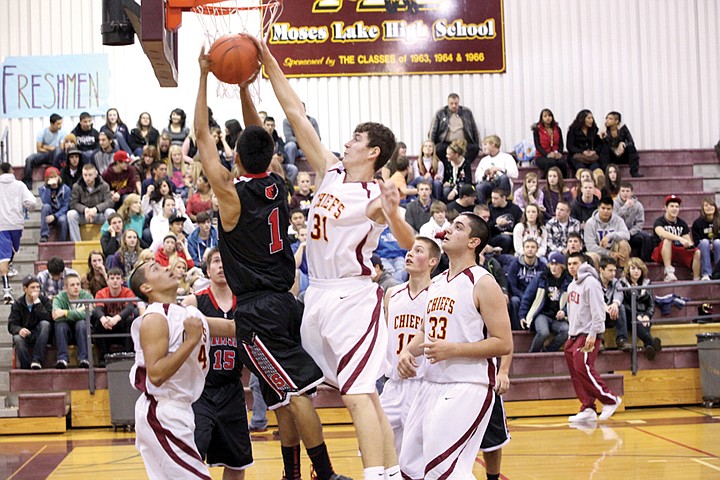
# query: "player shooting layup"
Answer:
x=341 y=326
x=260 y=269
x=466 y=325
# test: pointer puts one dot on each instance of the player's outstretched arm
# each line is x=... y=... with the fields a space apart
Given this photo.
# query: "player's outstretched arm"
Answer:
x=219 y=177
x=320 y=158
x=250 y=115
x=221 y=327
x=154 y=334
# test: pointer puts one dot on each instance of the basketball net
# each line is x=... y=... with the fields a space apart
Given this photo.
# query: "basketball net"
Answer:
x=230 y=17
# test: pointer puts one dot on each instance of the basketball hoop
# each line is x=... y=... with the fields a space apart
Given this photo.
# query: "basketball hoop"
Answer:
x=230 y=17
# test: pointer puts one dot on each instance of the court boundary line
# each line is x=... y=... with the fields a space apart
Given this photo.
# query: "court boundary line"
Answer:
x=27 y=462
x=707 y=454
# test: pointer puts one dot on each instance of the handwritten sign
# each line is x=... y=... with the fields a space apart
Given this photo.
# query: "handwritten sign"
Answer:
x=389 y=37
x=37 y=86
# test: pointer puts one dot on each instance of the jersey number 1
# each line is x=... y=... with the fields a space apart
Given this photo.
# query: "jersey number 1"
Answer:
x=276 y=243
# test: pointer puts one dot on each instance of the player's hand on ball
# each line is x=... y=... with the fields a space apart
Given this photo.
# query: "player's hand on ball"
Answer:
x=407 y=366
x=438 y=350
x=502 y=383
x=204 y=61
x=193 y=328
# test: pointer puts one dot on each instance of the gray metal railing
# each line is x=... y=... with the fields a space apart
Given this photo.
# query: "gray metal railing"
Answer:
x=633 y=309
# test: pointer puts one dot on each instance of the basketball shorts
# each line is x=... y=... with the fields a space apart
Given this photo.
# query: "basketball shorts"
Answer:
x=444 y=429
x=164 y=438
x=268 y=333
x=681 y=255
x=221 y=427
x=9 y=244
x=396 y=398
x=345 y=333
x=497 y=434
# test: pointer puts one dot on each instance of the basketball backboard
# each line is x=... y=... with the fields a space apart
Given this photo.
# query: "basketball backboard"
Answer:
x=159 y=44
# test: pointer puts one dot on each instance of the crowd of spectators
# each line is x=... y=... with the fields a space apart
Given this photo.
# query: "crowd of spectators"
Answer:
x=147 y=190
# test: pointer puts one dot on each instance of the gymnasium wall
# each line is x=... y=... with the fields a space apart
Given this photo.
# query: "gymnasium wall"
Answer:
x=656 y=61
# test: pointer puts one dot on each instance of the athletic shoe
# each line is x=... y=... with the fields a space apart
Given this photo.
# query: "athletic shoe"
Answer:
x=670 y=274
x=7 y=296
x=624 y=345
x=608 y=410
x=61 y=364
x=43 y=239
x=12 y=271
x=650 y=352
x=258 y=429
x=35 y=366
x=84 y=364
x=587 y=415
x=705 y=278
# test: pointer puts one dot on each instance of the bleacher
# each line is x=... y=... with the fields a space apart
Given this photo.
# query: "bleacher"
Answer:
x=43 y=401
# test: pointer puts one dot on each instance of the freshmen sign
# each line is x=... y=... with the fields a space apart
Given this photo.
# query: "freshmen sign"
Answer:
x=37 y=86
x=388 y=37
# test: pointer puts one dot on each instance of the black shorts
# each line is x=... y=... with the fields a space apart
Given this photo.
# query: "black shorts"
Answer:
x=268 y=333
x=221 y=427
x=497 y=434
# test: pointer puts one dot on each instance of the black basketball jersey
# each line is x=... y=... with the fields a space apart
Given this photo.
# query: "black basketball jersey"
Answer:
x=225 y=366
x=256 y=254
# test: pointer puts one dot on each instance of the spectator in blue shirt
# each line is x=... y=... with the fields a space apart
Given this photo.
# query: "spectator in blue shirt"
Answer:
x=47 y=144
x=202 y=239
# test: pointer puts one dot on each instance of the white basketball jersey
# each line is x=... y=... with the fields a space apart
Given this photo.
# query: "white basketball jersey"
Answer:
x=451 y=315
x=341 y=238
x=405 y=317
x=188 y=382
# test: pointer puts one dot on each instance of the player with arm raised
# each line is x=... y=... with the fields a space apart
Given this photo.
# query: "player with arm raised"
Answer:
x=260 y=270
x=466 y=326
x=341 y=326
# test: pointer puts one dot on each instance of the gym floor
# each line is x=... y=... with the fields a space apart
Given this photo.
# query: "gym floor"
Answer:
x=640 y=443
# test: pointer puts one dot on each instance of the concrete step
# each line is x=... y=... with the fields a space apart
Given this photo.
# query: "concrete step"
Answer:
x=53 y=380
x=9 y=412
x=691 y=201
x=4 y=380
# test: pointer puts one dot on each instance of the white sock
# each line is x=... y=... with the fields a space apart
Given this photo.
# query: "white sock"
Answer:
x=374 y=473
x=393 y=473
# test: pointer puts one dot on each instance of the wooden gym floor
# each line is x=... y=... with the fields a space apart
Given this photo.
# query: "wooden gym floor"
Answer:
x=653 y=443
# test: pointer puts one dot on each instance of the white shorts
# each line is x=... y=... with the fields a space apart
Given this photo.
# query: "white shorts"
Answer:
x=165 y=439
x=344 y=331
x=396 y=399
x=444 y=429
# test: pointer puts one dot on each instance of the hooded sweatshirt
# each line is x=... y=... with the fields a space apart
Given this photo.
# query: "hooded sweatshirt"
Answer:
x=596 y=230
x=634 y=215
x=586 y=303
x=14 y=197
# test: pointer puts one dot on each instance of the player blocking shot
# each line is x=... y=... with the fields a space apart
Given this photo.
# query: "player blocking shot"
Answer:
x=404 y=311
x=465 y=327
x=172 y=343
x=341 y=327
x=260 y=269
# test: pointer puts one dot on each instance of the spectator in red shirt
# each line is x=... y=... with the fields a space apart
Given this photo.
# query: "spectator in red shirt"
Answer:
x=113 y=317
x=167 y=252
x=201 y=200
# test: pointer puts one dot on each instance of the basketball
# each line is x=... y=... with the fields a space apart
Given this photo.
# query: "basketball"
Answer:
x=235 y=59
